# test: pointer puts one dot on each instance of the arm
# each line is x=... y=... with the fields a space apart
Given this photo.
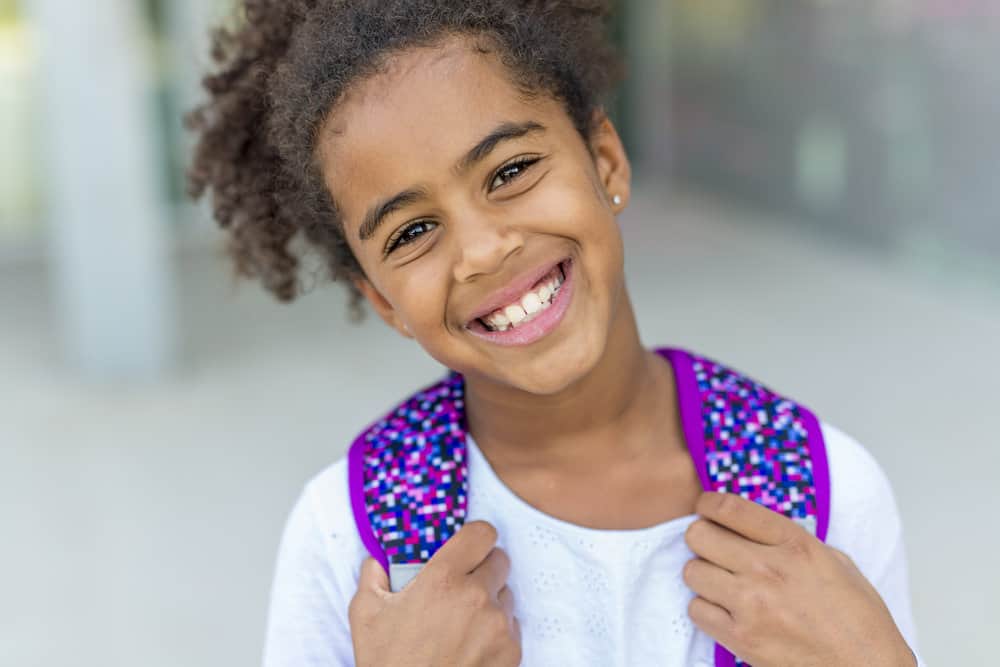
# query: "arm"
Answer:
x=893 y=585
x=321 y=592
x=775 y=595
x=867 y=526
x=307 y=620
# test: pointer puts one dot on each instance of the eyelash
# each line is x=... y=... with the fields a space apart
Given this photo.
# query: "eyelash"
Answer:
x=522 y=164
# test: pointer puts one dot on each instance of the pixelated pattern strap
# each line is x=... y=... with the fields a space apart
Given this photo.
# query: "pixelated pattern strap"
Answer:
x=413 y=463
x=409 y=476
x=755 y=443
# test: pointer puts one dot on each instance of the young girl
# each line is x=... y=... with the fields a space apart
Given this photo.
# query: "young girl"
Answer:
x=452 y=161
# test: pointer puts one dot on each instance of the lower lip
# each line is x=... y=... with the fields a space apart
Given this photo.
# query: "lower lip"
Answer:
x=543 y=324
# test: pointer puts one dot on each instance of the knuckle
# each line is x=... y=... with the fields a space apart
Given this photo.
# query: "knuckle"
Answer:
x=755 y=602
x=687 y=573
x=746 y=637
x=482 y=530
x=727 y=505
x=497 y=624
x=784 y=619
x=511 y=654
x=357 y=609
x=503 y=558
x=695 y=532
x=706 y=501
x=768 y=572
x=799 y=547
x=476 y=597
x=443 y=579
x=507 y=603
x=694 y=610
x=842 y=557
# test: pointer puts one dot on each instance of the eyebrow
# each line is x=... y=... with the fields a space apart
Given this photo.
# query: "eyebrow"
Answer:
x=377 y=214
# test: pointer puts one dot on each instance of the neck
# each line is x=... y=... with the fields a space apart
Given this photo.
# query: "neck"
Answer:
x=589 y=417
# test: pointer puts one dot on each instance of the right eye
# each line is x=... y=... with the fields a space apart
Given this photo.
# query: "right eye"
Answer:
x=409 y=233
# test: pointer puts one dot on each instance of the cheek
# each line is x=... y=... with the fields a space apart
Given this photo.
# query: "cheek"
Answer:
x=571 y=205
x=580 y=215
x=420 y=299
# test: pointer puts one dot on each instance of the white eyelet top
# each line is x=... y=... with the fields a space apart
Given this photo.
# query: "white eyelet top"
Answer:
x=608 y=598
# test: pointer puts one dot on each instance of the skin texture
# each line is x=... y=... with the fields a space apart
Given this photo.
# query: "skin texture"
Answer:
x=457 y=611
x=775 y=595
x=585 y=407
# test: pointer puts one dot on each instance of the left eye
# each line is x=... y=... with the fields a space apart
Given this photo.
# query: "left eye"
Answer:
x=511 y=171
x=410 y=234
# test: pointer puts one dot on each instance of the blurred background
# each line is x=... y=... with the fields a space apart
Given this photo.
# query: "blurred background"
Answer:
x=816 y=204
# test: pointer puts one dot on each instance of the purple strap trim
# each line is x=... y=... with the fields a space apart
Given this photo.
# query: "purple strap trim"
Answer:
x=407 y=473
x=420 y=446
x=691 y=421
x=690 y=407
x=356 y=484
x=820 y=470
x=748 y=440
x=724 y=658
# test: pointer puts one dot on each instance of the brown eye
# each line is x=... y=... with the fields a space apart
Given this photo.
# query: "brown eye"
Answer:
x=510 y=171
x=410 y=233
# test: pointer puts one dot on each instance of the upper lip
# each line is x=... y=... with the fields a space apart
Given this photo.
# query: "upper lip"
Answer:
x=514 y=289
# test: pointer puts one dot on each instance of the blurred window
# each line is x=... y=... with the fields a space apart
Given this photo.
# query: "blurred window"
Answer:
x=20 y=179
x=873 y=117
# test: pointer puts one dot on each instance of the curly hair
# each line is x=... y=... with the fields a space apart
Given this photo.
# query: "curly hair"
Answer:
x=284 y=65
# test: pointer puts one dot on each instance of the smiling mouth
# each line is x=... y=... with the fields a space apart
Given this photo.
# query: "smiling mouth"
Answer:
x=526 y=308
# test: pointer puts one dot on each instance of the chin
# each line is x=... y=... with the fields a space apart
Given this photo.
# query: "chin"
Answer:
x=556 y=370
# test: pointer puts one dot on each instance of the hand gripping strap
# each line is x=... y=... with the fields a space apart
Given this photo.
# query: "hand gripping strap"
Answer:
x=407 y=472
x=754 y=443
x=407 y=476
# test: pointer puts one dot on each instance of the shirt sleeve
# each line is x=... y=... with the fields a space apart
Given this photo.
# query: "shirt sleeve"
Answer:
x=314 y=581
x=865 y=524
x=893 y=585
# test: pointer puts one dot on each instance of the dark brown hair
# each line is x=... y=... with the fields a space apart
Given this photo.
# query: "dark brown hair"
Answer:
x=284 y=64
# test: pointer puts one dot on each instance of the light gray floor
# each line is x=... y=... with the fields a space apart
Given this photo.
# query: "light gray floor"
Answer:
x=140 y=522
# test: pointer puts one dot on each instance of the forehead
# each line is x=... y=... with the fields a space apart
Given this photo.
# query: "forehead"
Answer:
x=409 y=123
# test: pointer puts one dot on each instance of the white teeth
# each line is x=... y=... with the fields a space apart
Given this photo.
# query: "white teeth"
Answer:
x=530 y=304
x=514 y=313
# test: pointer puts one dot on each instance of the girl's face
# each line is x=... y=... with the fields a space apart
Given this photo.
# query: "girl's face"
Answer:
x=467 y=203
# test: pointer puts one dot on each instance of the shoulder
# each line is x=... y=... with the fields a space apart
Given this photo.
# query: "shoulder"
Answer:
x=320 y=542
x=864 y=516
x=315 y=576
x=326 y=504
x=865 y=523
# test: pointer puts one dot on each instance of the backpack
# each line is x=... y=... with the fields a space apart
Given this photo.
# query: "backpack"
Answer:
x=408 y=481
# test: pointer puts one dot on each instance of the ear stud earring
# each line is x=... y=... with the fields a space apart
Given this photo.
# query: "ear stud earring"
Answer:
x=617 y=200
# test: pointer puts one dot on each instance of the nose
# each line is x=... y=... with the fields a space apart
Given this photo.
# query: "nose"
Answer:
x=484 y=244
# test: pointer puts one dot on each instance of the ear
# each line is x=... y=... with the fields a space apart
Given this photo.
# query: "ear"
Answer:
x=611 y=161
x=382 y=306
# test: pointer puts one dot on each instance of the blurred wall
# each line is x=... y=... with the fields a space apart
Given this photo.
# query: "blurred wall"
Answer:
x=872 y=120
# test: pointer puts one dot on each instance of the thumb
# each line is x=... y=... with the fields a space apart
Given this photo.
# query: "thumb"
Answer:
x=373 y=577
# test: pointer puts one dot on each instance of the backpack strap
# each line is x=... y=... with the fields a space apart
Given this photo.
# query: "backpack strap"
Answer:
x=407 y=477
x=745 y=439
x=408 y=474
